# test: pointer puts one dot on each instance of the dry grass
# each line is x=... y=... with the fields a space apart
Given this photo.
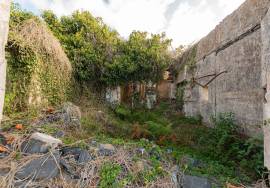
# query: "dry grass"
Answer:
x=89 y=173
x=12 y=163
x=41 y=40
x=90 y=177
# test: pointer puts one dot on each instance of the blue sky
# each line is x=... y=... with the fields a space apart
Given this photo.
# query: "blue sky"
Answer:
x=185 y=21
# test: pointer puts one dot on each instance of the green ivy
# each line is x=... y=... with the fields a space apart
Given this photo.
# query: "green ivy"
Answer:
x=30 y=72
x=180 y=91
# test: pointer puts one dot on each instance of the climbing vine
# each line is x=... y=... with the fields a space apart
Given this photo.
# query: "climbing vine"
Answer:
x=21 y=64
x=38 y=71
x=180 y=91
x=191 y=59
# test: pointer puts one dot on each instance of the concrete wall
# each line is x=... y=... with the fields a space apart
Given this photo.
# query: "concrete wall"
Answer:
x=235 y=46
x=265 y=34
x=4 y=26
x=165 y=90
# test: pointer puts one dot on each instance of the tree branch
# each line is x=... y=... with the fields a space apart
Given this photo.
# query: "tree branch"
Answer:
x=194 y=80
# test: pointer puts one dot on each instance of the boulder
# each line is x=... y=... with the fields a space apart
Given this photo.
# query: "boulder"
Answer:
x=34 y=146
x=80 y=155
x=194 y=181
x=75 y=151
x=40 y=143
x=43 y=168
x=69 y=169
x=181 y=180
x=106 y=150
x=49 y=140
x=59 y=134
x=49 y=119
x=84 y=157
x=71 y=115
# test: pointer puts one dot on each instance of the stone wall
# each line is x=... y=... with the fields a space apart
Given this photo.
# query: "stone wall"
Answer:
x=235 y=50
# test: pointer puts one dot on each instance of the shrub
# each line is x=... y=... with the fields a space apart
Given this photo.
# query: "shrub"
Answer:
x=189 y=120
x=158 y=130
x=224 y=144
x=123 y=112
x=101 y=58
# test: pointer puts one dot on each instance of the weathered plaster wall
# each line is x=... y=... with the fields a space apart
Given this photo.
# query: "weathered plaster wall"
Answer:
x=4 y=26
x=235 y=46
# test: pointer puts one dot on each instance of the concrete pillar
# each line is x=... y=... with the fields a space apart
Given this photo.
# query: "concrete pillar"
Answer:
x=265 y=34
x=4 y=26
x=113 y=95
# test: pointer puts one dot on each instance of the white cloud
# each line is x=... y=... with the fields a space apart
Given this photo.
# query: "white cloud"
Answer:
x=193 y=21
x=188 y=21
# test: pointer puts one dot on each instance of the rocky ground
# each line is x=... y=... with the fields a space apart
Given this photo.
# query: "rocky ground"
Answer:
x=38 y=155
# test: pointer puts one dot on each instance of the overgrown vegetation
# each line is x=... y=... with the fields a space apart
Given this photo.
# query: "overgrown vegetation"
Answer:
x=227 y=155
x=186 y=62
x=101 y=58
x=180 y=94
x=38 y=70
x=191 y=58
x=227 y=146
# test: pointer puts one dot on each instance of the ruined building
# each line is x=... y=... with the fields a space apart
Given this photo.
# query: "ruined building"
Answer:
x=228 y=71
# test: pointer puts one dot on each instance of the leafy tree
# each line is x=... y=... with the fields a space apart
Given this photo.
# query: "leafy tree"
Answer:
x=17 y=15
x=88 y=41
x=143 y=58
x=102 y=58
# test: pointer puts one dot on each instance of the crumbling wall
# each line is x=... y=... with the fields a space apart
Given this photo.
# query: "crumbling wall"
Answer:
x=228 y=73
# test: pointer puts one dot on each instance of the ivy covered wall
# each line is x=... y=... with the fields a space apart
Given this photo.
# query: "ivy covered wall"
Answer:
x=38 y=72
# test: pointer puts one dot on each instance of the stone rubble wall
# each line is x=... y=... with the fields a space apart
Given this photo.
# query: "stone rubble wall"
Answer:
x=236 y=45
